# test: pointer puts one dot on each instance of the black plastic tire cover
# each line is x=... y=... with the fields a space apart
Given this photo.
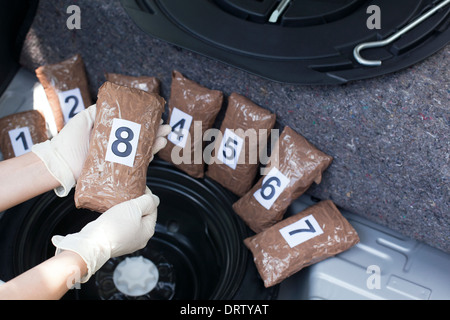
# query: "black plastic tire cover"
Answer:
x=304 y=50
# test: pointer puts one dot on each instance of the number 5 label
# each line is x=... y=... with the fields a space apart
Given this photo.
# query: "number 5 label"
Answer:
x=230 y=148
x=20 y=140
x=71 y=103
x=273 y=185
x=301 y=231
x=123 y=142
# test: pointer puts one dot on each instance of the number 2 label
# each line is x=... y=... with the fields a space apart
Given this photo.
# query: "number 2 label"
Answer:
x=20 y=140
x=230 y=148
x=71 y=103
x=273 y=185
x=123 y=142
x=301 y=231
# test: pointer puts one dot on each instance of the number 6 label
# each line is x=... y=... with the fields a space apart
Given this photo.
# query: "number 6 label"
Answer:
x=273 y=185
x=71 y=103
x=123 y=142
x=301 y=231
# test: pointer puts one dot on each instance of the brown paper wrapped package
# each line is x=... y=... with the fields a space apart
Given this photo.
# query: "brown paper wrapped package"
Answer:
x=32 y=119
x=65 y=75
x=103 y=184
x=149 y=84
x=276 y=260
x=242 y=114
x=203 y=105
x=301 y=163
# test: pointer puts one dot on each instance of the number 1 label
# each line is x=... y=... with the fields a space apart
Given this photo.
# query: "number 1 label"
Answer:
x=301 y=231
x=71 y=103
x=20 y=140
x=123 y=142
x=230 y=149
x=273 y=185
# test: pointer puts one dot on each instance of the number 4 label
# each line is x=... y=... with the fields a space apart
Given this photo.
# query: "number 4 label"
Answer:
x=123 y=142
x=181 y=123
x=273 y=185
x=71 y=103
x=20 y=140
x=301 y=231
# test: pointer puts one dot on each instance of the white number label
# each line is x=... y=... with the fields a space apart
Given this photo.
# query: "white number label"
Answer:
x=123 y=142
x=20 y=140
x=273 y=185
x=71 y=103
x=230 y=148
x=181 y=123
x=301 y=231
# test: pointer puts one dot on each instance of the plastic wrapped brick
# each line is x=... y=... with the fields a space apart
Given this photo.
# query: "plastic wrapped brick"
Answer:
x=124 y=131
x=66 y=87
x=293 y=166
x=149 y=84
x=236 y=161
x=20 y=131
x=308 y=237
x=192 y=109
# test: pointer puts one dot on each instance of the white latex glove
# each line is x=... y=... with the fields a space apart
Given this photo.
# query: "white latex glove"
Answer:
x=65 y=154
x=122 y=229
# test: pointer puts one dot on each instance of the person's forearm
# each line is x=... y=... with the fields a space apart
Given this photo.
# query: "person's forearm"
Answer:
x=49 y=280
x=24 y=177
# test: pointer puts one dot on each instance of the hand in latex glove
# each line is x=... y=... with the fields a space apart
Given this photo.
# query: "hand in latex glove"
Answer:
x=65 y=154
x=123 y=229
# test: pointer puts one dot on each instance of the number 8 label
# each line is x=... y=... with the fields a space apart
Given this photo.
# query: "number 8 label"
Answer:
x=273 y=185
x=123 y=142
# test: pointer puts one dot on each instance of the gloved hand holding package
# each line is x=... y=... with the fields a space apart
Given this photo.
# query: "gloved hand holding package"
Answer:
x=122 y=229
x=120 y=150
x=293 y=166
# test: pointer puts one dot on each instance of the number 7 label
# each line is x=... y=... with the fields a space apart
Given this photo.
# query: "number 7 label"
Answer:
x=301 y=231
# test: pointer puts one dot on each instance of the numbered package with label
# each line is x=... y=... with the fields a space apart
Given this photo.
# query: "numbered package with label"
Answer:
x=236 y=162
x=124 y=131
x=192 y=110
x=66 y=87
x=308 y=237
x=293 y=166
x=149 y=84
x=20 y=131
